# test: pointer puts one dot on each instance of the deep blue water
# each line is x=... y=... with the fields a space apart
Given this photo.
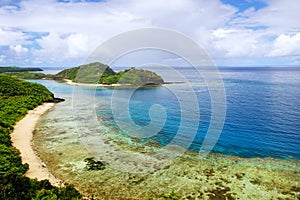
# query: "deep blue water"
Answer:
x=262 y=117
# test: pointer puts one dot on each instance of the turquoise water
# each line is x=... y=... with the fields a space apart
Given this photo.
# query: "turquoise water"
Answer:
x=262 y=117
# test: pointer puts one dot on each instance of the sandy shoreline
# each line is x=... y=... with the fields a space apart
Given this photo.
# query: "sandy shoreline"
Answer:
x=22 y=140
x=70 y=82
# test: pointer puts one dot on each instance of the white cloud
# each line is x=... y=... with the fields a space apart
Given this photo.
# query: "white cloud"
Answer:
x=2 y=58
x=59 y=47
x=114 y=16
x=75 y=29
x=286 y=45
x=77 y=45
x=52 y=44
x=281 y=16
x=239 y=43
x=18 y=49
x=272 y=31
x=10 y=36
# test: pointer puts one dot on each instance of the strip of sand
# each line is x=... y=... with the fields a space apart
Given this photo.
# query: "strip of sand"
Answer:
x=70 y=82
x=22 y=140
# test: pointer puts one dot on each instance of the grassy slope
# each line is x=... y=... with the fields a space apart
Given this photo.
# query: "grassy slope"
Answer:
x=103 y=74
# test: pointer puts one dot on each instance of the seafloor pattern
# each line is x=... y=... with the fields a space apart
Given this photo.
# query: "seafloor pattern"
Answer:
x=187 y=177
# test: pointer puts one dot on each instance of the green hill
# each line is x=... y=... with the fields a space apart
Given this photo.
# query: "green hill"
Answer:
x=98 y=73
x=103 y=74
x=19 y=69
x=25 y=72
x=89 y=73
x=133 y=76
x=16 y=98
x=29 y=75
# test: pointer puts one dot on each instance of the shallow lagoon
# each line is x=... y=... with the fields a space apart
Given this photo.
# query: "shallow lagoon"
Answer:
x=264 y=165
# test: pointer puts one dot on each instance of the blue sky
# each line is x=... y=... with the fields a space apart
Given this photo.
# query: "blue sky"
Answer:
x=243 y=5
x=233 y=32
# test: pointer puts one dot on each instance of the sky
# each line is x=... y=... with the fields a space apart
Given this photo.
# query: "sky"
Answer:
x=233 y=32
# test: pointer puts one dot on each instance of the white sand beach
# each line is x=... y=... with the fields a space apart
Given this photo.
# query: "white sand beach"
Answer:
x=22 y=140
x=70 y=82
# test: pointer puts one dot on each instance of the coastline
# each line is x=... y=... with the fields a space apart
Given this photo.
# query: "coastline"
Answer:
x=70 y=82
x=22 y=140
x=191 y=176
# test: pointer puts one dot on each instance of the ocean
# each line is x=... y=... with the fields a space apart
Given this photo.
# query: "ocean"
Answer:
x=262 y=111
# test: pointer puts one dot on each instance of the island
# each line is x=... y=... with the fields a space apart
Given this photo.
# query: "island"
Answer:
x=101 y=74
x=19 y=69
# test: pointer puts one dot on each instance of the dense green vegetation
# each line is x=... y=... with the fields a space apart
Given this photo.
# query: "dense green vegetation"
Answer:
x=92 y=164
x=25 y=73
x=28 y=75
x=16 y=98
x=98 y=73
x=19 y=69
x=89 y=73
x=133 y=76
x=103 y=74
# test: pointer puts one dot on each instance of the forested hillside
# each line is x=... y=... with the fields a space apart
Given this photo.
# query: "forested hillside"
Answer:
x=133 y=76
x=86 y=73
x=30 y=75
x=16 y=98
x=98 y=73
x=19 y=69
x=103 y=74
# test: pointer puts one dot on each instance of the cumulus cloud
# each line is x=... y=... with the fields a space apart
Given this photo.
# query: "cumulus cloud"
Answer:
x=77 y=44
x=2 y=58
x=18 y=49
x=9 y=36
x=285 y=45
x=57 y=32
x=238 y=43
x=280 y=16
x=59 y=47
x=76 y=28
